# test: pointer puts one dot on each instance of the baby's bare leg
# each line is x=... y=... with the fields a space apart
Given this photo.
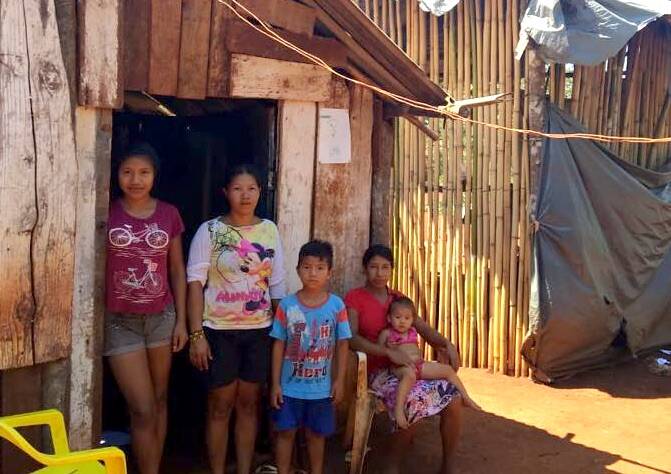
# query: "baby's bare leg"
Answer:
x=437 y=371
x=407 y=379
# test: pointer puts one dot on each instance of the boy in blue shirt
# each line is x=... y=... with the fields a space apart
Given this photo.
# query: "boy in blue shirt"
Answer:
x=309 y=329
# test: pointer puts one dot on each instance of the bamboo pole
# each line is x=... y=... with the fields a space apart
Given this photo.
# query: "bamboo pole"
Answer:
x=467 y=261
x=515 y=201
x=434 y=182
x=478 y=89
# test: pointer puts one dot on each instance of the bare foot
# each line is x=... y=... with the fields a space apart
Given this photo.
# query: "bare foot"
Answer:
x=401 y=420
x=469 y=403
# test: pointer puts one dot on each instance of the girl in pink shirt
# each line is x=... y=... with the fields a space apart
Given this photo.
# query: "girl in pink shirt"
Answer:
x=145 y=300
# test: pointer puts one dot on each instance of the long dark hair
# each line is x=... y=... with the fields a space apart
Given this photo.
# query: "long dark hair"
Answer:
x=135 y=149
x=243 y=168
x=234 y=172
x=377 y=250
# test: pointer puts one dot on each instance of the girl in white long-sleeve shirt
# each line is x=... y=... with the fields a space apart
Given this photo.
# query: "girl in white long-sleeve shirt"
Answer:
x=235 y=275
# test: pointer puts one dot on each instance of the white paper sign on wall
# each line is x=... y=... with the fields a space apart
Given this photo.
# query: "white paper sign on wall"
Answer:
x=334 y=139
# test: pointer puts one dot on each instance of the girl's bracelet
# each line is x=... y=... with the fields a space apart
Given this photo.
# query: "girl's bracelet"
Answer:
x=195 y=335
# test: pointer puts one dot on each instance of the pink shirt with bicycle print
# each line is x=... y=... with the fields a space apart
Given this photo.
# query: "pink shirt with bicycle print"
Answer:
x=137 y=259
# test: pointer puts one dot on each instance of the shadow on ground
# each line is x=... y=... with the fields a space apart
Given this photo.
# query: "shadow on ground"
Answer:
x=490 y=444
x=628 y=380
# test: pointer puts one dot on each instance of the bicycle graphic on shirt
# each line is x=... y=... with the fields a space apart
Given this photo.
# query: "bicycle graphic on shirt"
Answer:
x=151 y=282
x=151 y=234
x=128 y=281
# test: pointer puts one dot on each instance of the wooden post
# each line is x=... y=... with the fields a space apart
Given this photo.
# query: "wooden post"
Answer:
x=295 y=180
x=382 y=158
x=94 y=141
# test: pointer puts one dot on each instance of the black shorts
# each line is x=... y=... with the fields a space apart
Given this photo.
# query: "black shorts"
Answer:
x=238 y=354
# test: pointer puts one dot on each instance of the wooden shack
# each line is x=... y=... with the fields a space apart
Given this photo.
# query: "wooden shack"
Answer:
x=78 y=80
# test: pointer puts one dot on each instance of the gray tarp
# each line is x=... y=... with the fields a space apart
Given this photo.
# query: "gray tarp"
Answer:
x=585 y=31
x=602 y=257
x=437 y=7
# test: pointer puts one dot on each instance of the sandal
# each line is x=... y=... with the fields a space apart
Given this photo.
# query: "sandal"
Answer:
x=266 y=469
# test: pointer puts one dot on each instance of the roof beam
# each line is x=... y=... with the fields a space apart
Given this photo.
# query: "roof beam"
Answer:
x=371 y=38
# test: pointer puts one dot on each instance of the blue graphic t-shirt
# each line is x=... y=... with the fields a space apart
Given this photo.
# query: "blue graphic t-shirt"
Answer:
x=310 y=334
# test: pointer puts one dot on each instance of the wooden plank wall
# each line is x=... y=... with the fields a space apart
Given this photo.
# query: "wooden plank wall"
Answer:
x=342 y=201
x=183 y=48
x=38 y=175
x=56 y=186
x=38 y=172
x=164 y=40
x=295 y=180
x=136 y=51
x=17 y=186
x=195 y=45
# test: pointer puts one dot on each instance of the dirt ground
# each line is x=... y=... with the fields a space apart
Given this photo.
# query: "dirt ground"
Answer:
x=611 y=420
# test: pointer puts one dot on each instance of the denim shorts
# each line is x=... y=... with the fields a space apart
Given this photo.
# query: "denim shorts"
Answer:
x=126 y=332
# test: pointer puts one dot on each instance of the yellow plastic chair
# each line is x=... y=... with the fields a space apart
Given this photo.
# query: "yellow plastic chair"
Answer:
x=63 y=461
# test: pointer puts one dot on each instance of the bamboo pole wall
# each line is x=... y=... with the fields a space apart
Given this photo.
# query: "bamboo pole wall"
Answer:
x=460 y=231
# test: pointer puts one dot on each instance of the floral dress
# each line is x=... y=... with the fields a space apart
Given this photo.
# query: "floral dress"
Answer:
x=427 y=397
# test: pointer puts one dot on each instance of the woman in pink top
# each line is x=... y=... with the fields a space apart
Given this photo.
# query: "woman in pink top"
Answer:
x=368 y=307
x=145 y=297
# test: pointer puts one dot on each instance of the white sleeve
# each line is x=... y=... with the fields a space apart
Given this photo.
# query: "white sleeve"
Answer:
x=199 y=255
x=278 y=282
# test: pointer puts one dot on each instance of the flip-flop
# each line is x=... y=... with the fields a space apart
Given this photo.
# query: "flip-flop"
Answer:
x=266 y=469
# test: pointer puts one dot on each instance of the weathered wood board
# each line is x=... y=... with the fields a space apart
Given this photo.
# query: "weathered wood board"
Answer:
x=94 y=148
x=20 y=392
x=195 y=45
x=17 y=191
x=359 y=202
x=56 y=186
x=165 y=35
x=218 y=67
x=136 y=46
x=295 y=181
x=287 y=14
x=242 y=38
x=382 y=160
x=331 y=198
x=342 y=191
x=263 y=78
x=101 y=28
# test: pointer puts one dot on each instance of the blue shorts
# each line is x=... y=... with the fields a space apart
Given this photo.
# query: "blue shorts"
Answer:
x=316 y=415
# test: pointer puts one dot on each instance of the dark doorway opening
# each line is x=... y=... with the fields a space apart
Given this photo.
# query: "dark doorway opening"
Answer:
x=196 y=147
